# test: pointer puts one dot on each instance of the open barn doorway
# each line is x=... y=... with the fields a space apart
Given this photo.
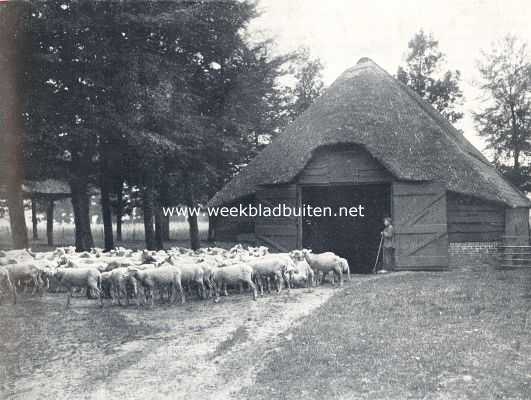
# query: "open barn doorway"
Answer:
x=355 y=238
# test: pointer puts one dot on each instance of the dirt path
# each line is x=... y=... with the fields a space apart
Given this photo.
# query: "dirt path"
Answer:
x=202 y=350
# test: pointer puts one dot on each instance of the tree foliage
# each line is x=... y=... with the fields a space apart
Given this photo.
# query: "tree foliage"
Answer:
x=161 y=96
x=505 y=120
x=423 y=74
x=309 y=82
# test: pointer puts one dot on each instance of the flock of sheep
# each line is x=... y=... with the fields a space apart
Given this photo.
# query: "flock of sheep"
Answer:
x=122 y=275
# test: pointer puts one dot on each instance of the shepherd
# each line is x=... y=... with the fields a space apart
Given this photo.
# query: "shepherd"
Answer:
x=388 y=262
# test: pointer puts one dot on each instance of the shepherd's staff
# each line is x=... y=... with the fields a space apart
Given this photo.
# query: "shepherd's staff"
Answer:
x=378 y=254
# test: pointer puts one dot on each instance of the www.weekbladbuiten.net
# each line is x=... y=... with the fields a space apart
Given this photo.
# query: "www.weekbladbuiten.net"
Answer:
x=260 y=210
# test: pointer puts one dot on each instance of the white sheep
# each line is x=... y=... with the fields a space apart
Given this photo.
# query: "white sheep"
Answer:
x=303 y=274
x=278 y=267
x=122 y=283
x=324 y=263
x=26 y=273
x=345 y=267
x=234 y=275
x=72 y=278
x=164 y=277
x=191 y=274
x=6 y=283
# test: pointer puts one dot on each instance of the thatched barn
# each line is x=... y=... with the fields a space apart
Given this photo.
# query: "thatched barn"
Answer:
x=370 y=140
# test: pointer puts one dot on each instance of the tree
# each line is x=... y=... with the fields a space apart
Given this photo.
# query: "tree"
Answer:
x=125 y=94
x=422 y=74
x=309 y=83
x=505 y=120
x=14 y=48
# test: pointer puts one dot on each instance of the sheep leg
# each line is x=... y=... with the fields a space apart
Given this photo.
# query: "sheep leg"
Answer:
x=126 y=295
x=210 y=287
x=101 y=298
x=253 y=287
x=287 y=279
x=260 y=283
x=216 y=290
x=35 y=284
x=98 y=292
x=119 y=294
x=14 y=293
x=152 y=295
x=278 y=281
x=203 y=289
x=68 y=297
x=179 y=288
x=134 y=292
x=268 y=284
x=225 y=293
x=41 y=285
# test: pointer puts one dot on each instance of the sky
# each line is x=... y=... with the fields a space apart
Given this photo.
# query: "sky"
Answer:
x=340 y=32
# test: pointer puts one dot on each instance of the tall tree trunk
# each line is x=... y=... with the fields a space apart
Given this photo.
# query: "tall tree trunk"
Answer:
x=148 y=205
x=106 y=212
x=211 y=233
x=81 y=207
x=166 y=227
x=17 y=220
x=159 y=227
x=514 y=139
x=119 y=208
x=192 y=217
x=164 y=201
x=34 y=224
x=13 y=48
x=49 y=222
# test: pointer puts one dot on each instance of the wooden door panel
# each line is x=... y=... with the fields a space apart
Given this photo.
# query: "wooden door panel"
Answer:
x=419 y=213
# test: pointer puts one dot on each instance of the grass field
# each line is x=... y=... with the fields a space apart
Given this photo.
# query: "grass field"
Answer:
x=450 y=335
x=132 y=235
x=456 y=335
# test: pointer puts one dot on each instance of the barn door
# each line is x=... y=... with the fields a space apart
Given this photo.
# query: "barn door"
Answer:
x=419 y=217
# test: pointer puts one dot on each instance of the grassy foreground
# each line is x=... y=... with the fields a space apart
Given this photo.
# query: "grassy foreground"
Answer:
x=453 y=335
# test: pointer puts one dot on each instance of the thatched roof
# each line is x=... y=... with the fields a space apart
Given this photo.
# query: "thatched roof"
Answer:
x=368 y=107
x=49 y=187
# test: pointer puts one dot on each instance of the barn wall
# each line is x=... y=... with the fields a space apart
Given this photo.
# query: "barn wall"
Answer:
x=473 y=255
x=517 y=226
x=228 y=228
x=278 y=232
x=474 y=220
x=345 y=164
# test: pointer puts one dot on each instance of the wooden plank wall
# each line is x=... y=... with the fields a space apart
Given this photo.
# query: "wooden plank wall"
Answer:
x=420 y=221
x=474 y=220
x=228 y=228
x=279 y=232
x=346 y=165
x=517 y=226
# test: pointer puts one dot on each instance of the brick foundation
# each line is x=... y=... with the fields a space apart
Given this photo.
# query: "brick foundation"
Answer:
x=472 y=254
